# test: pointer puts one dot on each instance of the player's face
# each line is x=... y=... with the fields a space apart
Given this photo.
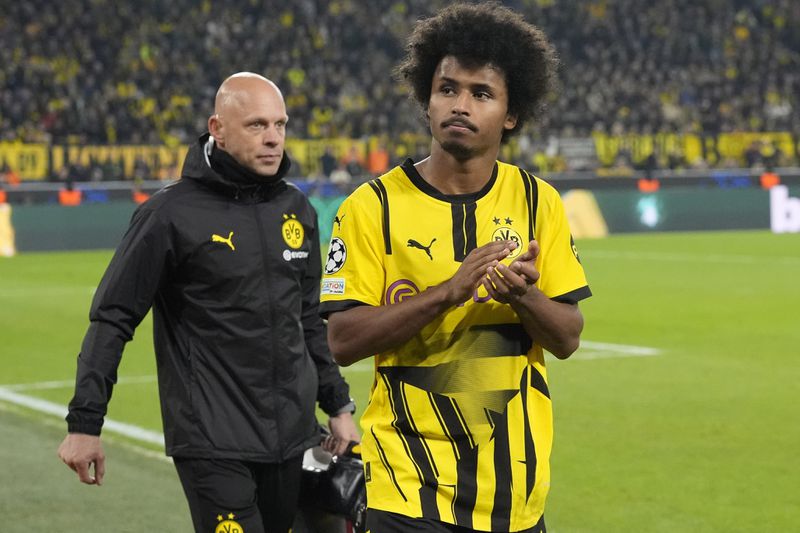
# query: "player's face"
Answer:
x=468 y=108
x=252 y=129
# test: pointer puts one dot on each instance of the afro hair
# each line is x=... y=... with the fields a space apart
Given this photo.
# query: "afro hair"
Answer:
x=477 y=35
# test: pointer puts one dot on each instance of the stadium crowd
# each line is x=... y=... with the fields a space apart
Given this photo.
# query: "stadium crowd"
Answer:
x=99 y=71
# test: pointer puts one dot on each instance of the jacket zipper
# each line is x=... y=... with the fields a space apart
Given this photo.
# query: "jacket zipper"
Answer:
x=271 y=318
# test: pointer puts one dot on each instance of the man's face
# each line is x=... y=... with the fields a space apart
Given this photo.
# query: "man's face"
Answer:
x=251 y=126
x=468 y=108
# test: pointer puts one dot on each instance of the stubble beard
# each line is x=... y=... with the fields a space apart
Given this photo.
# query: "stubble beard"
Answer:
x=459 y=151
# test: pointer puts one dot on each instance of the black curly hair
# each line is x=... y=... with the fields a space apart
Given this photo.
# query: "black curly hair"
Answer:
x=483 y=34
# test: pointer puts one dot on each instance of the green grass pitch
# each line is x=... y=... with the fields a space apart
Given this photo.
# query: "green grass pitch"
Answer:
x=688 y=422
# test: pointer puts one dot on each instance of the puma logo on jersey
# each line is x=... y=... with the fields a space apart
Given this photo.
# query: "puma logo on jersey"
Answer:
x=228 y=241
x=414 y=244
x=338 y=221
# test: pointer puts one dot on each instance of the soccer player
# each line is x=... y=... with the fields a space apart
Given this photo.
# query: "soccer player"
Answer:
x=228 y=257
x=456 y=272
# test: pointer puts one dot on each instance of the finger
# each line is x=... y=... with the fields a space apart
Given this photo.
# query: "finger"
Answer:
x=526 y=271
x=99 y=469
x=534 y=249
x=497 y=245
x=511 y=277
x=83 y=473
x=341 y=447
x=490 y=289
x=525 y=257
x=517 y=284
x=491 y=250
x=500 y=284
x=64 y=459
x=480 y=262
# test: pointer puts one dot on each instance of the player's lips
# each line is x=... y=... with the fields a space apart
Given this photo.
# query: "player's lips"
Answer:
x=269 y=157
x=459 y=124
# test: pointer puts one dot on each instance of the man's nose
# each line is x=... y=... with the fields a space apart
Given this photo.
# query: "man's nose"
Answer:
x=462 y=103
x=271 y=136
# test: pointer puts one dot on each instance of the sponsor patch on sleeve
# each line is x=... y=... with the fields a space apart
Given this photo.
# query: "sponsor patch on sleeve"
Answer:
x=332 y=286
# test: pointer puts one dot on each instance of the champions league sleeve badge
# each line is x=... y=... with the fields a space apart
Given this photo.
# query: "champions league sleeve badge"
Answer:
x=337 y=255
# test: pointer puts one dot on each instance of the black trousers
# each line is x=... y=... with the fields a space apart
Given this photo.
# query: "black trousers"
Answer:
x=385 y=522
x=240 y=496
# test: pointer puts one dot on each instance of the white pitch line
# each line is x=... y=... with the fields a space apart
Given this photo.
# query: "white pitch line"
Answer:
x=693 y=258
x=55 y=409
x=50 y=290
x=588 y=350
x=589 y=355
x=626 y=349
x=596 y=350
x=69 y=383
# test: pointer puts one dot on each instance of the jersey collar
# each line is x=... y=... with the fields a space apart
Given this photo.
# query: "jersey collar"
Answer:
x=418 y=181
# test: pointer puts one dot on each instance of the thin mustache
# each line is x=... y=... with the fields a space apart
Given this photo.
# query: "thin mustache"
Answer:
x=461 y=122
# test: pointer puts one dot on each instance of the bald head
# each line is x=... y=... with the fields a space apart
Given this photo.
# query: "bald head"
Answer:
x=237 y=89
x=249 y=121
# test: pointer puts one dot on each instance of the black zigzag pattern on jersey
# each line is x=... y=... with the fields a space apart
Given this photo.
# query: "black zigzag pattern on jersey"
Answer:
x=530 y=445
x=416 y=448
x=380 y=191
x=501 y=508
x=538 y=382
x=466 y=453
x=532 y=199
x=387 y=465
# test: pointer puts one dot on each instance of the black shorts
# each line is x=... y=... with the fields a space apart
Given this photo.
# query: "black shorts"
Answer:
x=386 y=522
x=240 y=496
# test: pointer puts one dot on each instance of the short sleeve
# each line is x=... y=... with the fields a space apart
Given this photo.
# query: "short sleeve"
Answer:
x=562 y=276
x=353 y=271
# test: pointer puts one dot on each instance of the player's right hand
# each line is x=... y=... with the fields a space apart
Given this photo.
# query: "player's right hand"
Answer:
x=469 y=275
x=80 y=452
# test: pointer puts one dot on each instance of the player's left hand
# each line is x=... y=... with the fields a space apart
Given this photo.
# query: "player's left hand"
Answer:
x=343 y=432
x=508 y=283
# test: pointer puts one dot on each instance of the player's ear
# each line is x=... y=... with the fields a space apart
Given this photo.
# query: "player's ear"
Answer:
x=215 y=128
x=510 y=122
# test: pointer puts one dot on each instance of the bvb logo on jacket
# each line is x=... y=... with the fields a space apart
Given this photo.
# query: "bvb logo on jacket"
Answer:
x=292 y=231
x=293 y=235
x=229 y=525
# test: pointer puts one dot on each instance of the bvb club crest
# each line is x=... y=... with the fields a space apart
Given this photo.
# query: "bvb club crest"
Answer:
x=228 y=526
x=504 y=233
x=292 y=231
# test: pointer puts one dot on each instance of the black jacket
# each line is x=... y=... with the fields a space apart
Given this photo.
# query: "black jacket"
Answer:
x=232 y=271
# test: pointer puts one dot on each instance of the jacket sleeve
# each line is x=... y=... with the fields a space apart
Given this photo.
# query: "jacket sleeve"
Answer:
x=333 y=393
x=122 y=300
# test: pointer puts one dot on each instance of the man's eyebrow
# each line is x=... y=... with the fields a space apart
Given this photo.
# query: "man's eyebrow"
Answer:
x=481 y=87
x=474 y=86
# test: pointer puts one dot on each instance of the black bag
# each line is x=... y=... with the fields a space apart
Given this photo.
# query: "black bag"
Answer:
x=340 y=490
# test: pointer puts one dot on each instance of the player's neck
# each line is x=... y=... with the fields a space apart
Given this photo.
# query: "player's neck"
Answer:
x=453 y=176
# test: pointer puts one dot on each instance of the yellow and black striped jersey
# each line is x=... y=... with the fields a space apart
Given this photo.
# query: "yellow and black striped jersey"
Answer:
x=459 y=422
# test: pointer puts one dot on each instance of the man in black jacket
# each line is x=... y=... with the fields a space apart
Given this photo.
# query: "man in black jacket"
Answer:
x=228 y=258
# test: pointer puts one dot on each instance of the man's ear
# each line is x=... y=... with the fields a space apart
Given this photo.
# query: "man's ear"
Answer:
x=215 y=128
x=511 y=122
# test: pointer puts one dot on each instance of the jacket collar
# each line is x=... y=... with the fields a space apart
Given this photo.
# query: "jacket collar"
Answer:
x=242 y=185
